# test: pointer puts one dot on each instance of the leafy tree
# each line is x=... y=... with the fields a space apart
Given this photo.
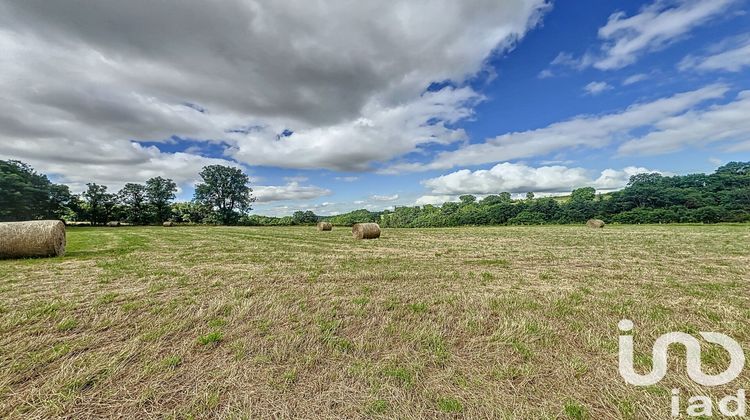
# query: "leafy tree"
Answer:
x=581 y=195
x=27 y=195
x=97 y=201
x=304 y=217
x=159 y=193
x=190 y=212
x=467 y=199
x=135 y=201
x=225 y=191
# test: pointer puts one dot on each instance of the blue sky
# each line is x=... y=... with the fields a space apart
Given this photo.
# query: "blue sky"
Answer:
x=329 y=110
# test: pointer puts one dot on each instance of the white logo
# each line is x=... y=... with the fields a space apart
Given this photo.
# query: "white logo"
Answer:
x=693 y=346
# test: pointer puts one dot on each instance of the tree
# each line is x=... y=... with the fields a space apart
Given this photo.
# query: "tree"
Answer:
x=189 y=212
x=530 y=196
x=96 y=197
x=583 y=195
x=24 y=194
x=467 y=199
x=160 y=192
x=304 y=217
x=134 y=198
x=225 y=191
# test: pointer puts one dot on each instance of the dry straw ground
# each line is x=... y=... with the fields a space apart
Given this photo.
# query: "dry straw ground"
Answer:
x=258 y=322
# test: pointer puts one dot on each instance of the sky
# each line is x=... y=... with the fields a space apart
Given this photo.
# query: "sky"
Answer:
x=338 y=105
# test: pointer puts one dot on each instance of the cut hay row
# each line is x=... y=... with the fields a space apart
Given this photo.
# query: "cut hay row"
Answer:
x=40 y=238
x=366 y=231
x=325 y=226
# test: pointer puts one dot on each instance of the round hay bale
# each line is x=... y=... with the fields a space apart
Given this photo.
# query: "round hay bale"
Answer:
x=168 y=224
x=595 y=223
x=40 y=238
x=325 y=226
x=366 y=231
x=113 y=224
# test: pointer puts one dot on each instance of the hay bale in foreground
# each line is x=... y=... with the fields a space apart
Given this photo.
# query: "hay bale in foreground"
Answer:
x=168 y=224
x=40 y=238
x=366 y=231
x=113 y=224
x=595 y=223
x=325 y=226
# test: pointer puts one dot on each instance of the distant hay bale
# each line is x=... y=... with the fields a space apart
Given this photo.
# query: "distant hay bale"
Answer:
x=595 y=223
x=168 y=224
x=40 y=238
x=366 y=231
x=113 y=224
x=325 y=226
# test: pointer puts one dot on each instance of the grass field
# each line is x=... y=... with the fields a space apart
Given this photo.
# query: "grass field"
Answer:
x=499 y=322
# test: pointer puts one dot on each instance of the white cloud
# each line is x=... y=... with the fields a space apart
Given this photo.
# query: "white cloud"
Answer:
x=612 y=179
x=297 y=179
x=518 y=178
x=387 y=132
x=579 y=132
x=435 y=199
x=349 y=88
x=595 y=88
x=347 y=178
x=635 y=79
x=718 y=123
x=545 y=74
x=384 y=197
x=732 y=55
x=654 y=27
x=291 y=191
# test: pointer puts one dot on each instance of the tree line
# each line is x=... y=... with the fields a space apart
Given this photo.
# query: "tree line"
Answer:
x=723 y=196
x=222 y=197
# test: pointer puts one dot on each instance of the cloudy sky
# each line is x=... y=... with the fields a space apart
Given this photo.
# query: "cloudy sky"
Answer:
x=337 y=105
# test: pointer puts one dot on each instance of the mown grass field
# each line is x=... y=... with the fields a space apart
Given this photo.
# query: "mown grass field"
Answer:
x=506 y=322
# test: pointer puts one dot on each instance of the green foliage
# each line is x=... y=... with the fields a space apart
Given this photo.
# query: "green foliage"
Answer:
x=356 y=216
x=160 y=192
x=224 y=190
x=304 y=218
x=99 y=204
x=133 y=198
x=190 y=212
x=27 y=195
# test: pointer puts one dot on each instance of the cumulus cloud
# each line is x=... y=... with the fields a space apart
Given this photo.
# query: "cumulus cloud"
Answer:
x=393 y=197
x=732 y=55
x=727 y=123
x=292 y=84
x=519 y=178
x=290 y=191
x=595 y=88
x=582 y=131
x=656 y=25
x=435 y=199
